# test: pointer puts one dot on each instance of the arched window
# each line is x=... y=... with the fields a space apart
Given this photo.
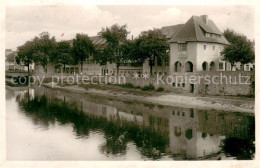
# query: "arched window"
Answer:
x=177 y=66
x=204 y=66
x=212 y=66
x=188 y=66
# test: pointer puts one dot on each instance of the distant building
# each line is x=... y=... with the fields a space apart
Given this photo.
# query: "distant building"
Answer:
x=10 y=59
x=10 y=62
x=91 y=67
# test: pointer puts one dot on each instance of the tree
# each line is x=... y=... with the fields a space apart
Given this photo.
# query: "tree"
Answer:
x=151 y=45
x=44 y=48
x=240 y=49
x=100 y=56
x=63 y=54
x=25 y=54
x=116 y=37
x=133 y=52
x=82 y=48
x=37 y=50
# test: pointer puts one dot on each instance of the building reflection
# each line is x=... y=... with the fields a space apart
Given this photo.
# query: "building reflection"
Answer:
x=181 y=133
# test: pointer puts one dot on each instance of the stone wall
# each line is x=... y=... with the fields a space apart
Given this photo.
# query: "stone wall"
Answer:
x=204 y=82
x=209 y=83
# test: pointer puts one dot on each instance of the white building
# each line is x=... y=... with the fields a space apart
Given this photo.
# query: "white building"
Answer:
x=197 y=46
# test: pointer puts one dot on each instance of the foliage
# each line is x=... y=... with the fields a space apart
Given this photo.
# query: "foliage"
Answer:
x=243 y=149
x=63 y=54
x=128 y=85
x=117 y=132
x=25 y=54
x=37 y=50
x=149 y=87
x=151 y=44
x=82 y=48
x=160 y=89
x=133 y=52
x=113 y=52
x=240 y=49
x=44 y=46
x=101 y=56
x=10 y=57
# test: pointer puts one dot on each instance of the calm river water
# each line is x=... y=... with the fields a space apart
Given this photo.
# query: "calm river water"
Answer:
x=48 y=124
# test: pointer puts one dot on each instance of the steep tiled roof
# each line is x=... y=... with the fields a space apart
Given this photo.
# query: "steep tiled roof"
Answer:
x=11 y=57
x=170 y=31
x=98 y=40
x=194 y=30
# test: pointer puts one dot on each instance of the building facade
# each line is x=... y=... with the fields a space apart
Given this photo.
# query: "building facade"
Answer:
x=194 y=46
x=197 y=47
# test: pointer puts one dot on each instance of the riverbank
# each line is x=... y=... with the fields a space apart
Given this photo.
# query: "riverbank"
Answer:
x=221 y=103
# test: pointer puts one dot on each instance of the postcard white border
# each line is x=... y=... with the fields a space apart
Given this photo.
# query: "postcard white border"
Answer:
x=113 y=164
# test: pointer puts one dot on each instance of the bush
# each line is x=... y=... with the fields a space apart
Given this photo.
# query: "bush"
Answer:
x=128 y=85
x=160 y=89
x=148 y=87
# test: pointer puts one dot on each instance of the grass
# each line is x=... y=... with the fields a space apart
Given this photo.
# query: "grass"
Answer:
x=149 y=87
x=128 y=85
x=160 y=89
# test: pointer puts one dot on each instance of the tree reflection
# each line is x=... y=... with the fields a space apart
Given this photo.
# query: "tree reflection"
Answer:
x=153 y=139
x=118 y=133
x=242 y=149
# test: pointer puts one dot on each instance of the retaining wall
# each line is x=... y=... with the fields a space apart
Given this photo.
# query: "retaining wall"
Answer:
x=204 y=82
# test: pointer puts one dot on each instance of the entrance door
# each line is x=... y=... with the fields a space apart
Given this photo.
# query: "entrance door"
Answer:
x=191 y=88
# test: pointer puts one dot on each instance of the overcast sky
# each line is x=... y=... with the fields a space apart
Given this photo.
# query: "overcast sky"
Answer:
x=25 y=22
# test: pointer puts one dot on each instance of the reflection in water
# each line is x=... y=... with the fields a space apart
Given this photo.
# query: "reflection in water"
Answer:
x=117 y=132
x=157 y=131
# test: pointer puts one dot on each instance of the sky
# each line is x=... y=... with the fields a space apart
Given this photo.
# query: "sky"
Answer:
x=24 y=22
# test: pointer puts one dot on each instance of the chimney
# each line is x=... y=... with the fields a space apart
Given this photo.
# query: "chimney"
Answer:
x=204 y=18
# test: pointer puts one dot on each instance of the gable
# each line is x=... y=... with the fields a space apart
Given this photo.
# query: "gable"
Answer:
x=196 y=29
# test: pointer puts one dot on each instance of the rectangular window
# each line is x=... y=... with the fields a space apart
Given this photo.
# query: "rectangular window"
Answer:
x=247 y=67
x=182 y=47
x=205 y=47
x=213 y=48
x=221 y=65
x=191 y=113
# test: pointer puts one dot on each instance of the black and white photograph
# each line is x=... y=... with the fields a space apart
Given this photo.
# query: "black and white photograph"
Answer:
x=123 y=82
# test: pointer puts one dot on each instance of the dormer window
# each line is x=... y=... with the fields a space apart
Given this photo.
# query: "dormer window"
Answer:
x=211 y=35
x=182 y=47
